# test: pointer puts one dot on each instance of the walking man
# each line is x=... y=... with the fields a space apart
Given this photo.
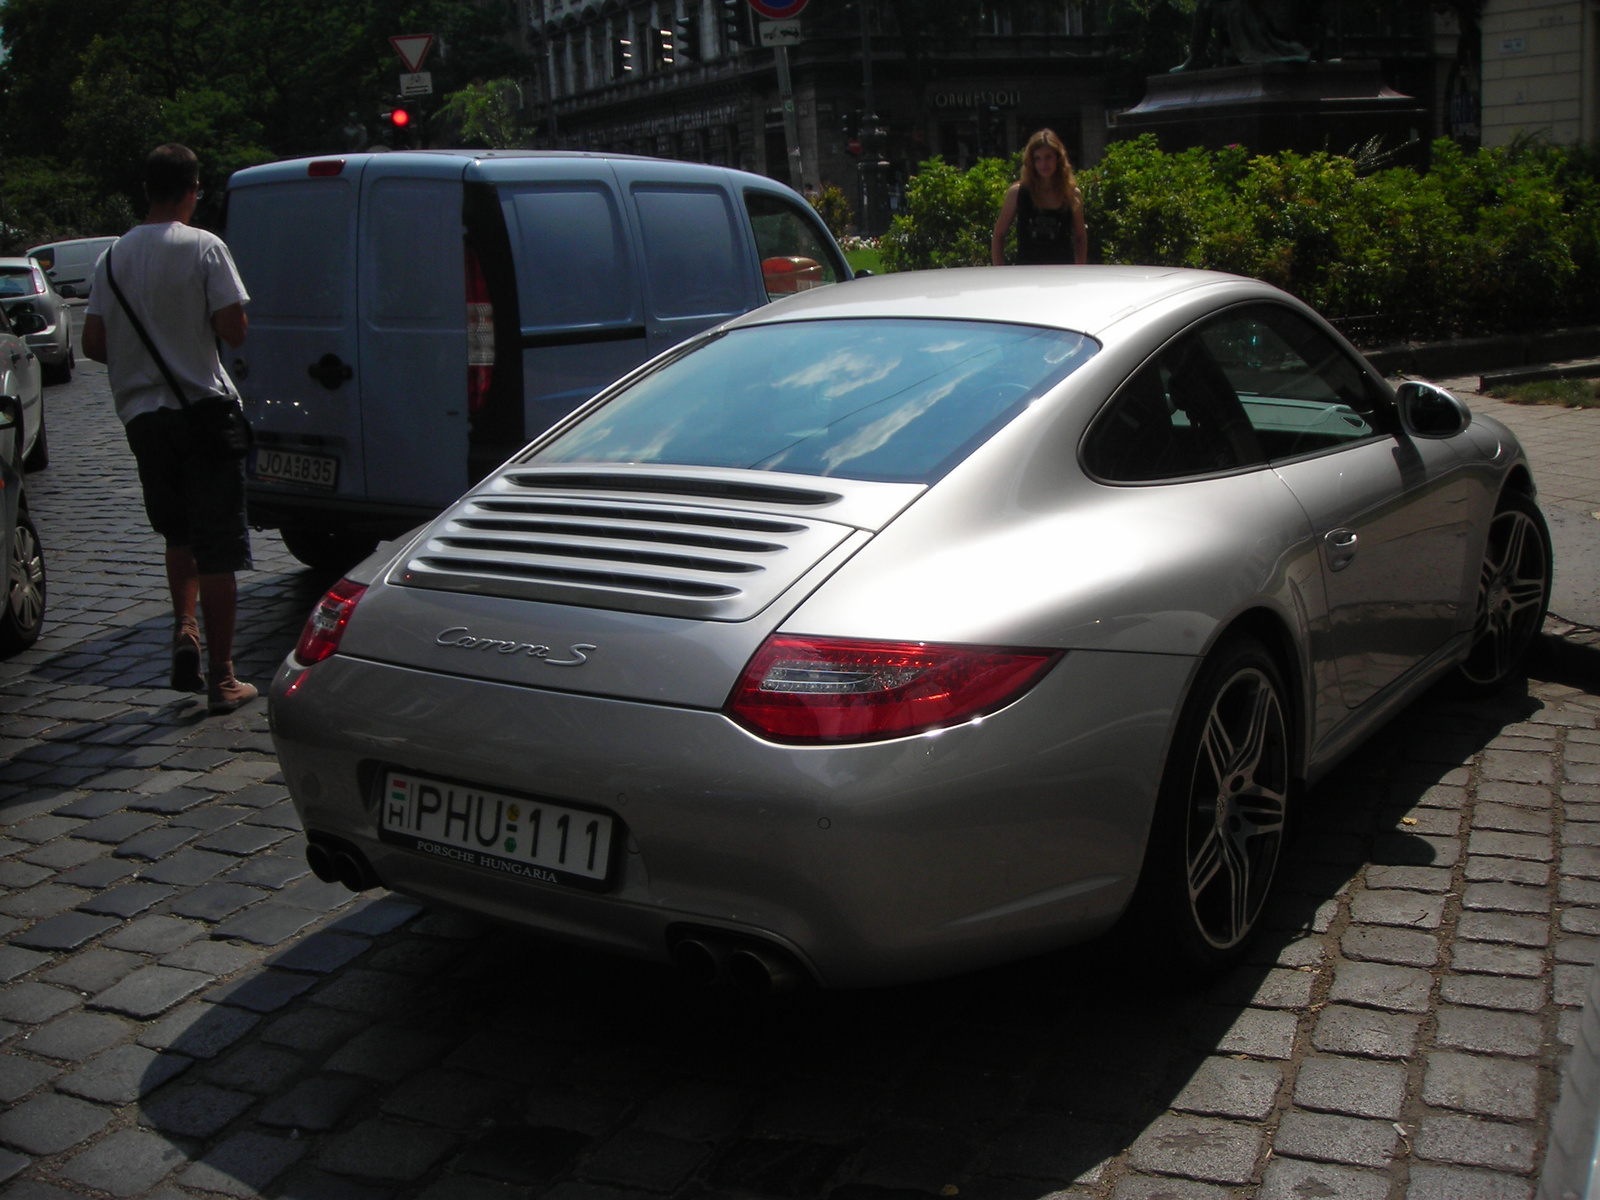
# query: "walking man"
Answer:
x=182 y=285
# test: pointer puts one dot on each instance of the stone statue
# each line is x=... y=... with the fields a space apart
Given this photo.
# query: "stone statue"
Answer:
x=1246 y=32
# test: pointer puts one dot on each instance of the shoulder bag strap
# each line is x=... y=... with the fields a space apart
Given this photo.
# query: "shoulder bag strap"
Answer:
x=138 y=327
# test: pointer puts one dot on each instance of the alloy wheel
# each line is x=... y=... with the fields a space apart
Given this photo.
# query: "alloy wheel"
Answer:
x=25 y=593
x=1238 y=796
x=1511 y=597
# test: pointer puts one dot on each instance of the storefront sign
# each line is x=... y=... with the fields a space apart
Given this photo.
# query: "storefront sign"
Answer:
x=978 y=99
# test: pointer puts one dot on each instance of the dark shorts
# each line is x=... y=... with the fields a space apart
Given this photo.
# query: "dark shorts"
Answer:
x=192 y=499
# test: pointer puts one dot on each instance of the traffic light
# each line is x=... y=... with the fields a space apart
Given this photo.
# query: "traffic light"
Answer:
x=686 y=39
x=621 y=58
x=850 y=127
x=735 y=29
x=398 y=125
x=663 y=49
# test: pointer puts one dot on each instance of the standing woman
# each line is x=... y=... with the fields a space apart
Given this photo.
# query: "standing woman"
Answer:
x=1047 y=206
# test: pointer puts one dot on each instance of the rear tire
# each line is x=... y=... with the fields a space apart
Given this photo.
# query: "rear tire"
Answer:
x=39 y=457
x=1221 y=813
x=22 y=612
x=1513 y=596
x=61 y=372
x=328 y=552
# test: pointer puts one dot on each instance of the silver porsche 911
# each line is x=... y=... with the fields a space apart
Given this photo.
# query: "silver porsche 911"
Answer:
x=914 y=624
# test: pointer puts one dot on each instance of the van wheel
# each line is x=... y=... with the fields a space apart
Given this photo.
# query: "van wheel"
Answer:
x=39 y=457
x=328 y=552
x=22 y=605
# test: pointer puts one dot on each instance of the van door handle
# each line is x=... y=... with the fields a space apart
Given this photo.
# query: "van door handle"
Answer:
x=329 y=371
x=1341 y=545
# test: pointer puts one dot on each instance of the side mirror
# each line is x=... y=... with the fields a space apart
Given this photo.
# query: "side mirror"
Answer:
x=862 y=274
x=1430 y=412
x=28 y=322
x=66 y=291
x=10 y=412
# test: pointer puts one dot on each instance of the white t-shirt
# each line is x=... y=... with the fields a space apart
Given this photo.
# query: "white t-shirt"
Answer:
x=175 y=277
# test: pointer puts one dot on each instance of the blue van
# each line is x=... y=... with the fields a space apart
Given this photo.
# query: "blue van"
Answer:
x=418 y=317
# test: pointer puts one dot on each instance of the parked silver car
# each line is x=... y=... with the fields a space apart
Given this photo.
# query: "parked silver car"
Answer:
x=25 y=288
x=22 y=603
x=914 y=624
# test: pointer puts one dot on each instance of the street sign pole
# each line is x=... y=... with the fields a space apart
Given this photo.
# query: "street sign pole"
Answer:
x=791 y=128
x=780 y=30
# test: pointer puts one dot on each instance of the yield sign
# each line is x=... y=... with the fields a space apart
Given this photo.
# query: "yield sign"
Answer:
x=412 y=49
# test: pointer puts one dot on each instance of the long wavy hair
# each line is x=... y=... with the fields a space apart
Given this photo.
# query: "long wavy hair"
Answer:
x=1065 y=179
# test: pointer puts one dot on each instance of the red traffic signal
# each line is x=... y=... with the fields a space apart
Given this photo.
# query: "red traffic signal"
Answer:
x=400 y=118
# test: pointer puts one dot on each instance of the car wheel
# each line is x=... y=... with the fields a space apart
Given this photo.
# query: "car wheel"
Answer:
x=1513 y=594
x=39 y=457
x=22 y=614
x=1220 y=816
x=328 y=552
x=60 y=372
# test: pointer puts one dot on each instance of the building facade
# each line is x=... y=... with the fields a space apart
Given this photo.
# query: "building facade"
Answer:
x=1541 y=71
x=690 y=79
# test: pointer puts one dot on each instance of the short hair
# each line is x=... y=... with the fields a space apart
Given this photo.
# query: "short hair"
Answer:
x=169 y=173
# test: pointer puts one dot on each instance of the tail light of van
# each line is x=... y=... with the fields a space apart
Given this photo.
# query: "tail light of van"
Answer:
x=480 y=335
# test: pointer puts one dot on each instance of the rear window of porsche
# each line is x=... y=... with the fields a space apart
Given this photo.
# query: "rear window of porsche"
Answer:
x=898 y=400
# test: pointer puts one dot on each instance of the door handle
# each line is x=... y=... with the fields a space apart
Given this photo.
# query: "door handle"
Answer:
x=15 y=357
x=329 y=371
x=1341 y=544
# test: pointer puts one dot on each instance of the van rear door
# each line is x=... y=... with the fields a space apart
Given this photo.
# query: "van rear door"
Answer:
x=293 y=237
x=580 y=319
x=413 y=382
x=699 y=263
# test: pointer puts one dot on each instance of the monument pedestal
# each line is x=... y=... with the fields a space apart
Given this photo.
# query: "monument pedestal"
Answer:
x=1305 y=107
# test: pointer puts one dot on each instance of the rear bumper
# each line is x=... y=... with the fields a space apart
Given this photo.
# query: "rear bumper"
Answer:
x=271 y=506
x=875 y=864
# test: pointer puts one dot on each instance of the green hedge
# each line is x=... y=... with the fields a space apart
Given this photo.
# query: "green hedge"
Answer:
x=1484 y=241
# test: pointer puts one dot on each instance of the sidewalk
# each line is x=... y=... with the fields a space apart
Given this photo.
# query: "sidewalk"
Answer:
x=1563 y=445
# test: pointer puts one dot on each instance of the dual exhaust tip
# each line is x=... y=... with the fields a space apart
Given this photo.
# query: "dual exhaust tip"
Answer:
x=707 y=956
x=753 y=967
x=334 y=861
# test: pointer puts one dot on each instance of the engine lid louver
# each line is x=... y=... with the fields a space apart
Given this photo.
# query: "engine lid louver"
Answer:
x=684 y=543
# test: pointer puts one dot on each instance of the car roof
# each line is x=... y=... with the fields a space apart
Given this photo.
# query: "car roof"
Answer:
x=289 y=168
x=17 y=262
x=68 y=242
x=1085 y=299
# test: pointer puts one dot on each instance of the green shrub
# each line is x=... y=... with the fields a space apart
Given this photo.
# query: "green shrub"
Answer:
x=949 y=215
x=833 y=206
x=1484 y=241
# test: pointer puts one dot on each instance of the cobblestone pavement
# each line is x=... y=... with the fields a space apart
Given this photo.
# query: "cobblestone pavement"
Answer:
x=188 y=1011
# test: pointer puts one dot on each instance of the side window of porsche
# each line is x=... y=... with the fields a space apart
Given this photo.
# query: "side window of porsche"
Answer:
x=1177 y=417
x=1301 y=391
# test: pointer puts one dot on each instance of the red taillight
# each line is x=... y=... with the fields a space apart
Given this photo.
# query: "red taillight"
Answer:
x=325 y=626
x=323 y=168
x=480 y=335
x=805 y=689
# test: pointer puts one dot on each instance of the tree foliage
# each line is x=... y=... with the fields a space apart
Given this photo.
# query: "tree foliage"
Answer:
x=89 y=86
x=1490 y=240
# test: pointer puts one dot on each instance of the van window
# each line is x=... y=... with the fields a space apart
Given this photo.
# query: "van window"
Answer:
x=690 y=252
x=424 y=217
x=794 y=254
x=291 y=242
x=572 y=260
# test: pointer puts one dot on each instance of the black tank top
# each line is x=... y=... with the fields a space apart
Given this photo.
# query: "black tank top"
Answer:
x=1044 y=235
